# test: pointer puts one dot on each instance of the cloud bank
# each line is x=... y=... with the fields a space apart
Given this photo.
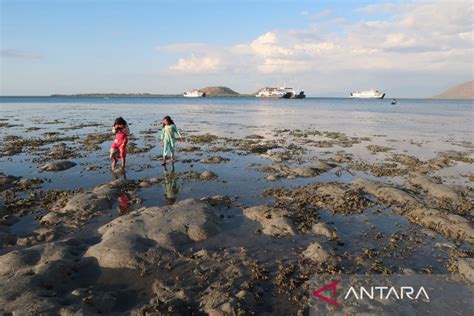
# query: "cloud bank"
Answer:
x=419 y=37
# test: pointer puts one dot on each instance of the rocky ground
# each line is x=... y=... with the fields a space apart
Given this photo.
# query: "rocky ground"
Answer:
x=314 y=202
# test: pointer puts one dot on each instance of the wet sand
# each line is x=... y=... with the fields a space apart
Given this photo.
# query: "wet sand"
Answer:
x=263 y=197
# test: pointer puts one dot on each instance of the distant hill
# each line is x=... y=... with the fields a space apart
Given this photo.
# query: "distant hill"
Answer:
x=463 y=91
x=218 y=91
x=103 y=95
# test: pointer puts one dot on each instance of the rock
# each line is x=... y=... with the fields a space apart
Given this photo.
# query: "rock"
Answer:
x=384 y=193
x=289 y=172
x=280 y=226
x=207 y=175
x=466 y=268
x=214 y=160
x=219 y=200
x=324 y=230
x=58 y=166
x=87 y=201
x=260 y=213
x=203 y=254
x=323 y=166
x=449 y=225
x=144 y=184
x=50 y=219
x=341 y=158
x=378 y=149
x=445 y=245
x=272 y=220
x=434 y=189
x=271 y=178
x=217 y=303
x=126 y=239
x=7 y=181
x=110 y=189
x=154 y=180
x=316 y=253
x=254 y=136
x=305 y=172
x=262 y=148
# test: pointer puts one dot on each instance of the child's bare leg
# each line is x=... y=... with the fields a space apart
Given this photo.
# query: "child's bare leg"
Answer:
x=114 y=162
x=123 y=162
x=164 y=161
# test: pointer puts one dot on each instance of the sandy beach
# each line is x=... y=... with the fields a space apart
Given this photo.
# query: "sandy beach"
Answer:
x=265 y=194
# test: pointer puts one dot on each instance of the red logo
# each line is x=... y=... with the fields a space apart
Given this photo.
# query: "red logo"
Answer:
x=331 y=300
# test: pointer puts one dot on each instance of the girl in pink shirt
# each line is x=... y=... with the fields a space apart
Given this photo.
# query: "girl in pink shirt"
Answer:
x=119 y=145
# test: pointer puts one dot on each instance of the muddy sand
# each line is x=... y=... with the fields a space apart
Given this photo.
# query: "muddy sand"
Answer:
x=239 y=225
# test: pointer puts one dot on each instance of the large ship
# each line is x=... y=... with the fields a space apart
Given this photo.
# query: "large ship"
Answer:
x=281 y=93
x=368 y=94
x=194 y=94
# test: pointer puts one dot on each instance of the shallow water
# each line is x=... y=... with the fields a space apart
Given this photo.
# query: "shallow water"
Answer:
x=421 y=128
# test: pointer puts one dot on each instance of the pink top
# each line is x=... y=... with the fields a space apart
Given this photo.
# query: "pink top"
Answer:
x=120 y=142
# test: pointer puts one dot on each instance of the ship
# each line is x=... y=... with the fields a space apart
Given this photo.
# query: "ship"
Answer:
x=280 y=93
x=368 y=94
x=194 y=94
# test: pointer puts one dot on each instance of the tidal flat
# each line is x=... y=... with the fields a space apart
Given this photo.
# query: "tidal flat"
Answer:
x=264 y=195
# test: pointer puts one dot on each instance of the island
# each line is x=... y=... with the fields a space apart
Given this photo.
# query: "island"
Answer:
x=211 y=91
x=464 y=91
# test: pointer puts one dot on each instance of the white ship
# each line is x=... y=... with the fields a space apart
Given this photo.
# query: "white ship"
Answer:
x=368 y=94
x=282 y=92
x=194 y=94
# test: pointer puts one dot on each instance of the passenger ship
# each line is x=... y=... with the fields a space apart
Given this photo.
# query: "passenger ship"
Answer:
x=194 y=94
x=368 y=94
x=282 y=93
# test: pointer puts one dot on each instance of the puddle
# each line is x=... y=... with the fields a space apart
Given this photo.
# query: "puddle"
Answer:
x=25 y=226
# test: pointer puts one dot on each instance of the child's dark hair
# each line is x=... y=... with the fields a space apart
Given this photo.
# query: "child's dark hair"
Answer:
x=168 y=118
x=120 y=121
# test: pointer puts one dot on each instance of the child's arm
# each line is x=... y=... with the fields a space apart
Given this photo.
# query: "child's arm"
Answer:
x=126 y=130
x=162 y=135
x=176 y=132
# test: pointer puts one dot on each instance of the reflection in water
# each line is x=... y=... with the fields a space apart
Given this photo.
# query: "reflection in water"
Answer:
x=125 y=205
x=170 y=185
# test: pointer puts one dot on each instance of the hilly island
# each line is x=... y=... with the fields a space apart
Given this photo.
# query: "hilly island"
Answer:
x=211 y=91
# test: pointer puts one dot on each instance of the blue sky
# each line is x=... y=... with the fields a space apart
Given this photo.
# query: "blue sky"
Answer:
x=323 y=47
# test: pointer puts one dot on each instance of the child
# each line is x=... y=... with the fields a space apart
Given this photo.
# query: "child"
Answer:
x=119 y=145
x=169 y=133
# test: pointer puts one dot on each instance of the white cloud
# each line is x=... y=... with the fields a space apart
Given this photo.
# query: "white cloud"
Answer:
x=198 y=65
x=420 y=38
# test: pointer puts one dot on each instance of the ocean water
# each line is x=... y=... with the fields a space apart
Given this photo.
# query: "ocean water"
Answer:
x=424 y=117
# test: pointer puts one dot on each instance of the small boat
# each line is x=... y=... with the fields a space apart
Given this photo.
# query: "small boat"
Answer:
x=300 y=95
x=368 y=94
x=194 y=94
x=394 y=101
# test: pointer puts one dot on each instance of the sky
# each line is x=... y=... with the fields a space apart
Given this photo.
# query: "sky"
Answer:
x=326 y=48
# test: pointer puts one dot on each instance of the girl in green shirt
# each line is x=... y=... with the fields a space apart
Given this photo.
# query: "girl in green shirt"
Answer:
x=169 y=134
